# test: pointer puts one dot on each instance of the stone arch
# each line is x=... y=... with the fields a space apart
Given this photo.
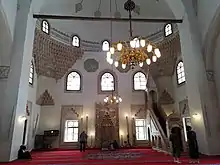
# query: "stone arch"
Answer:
x=209 y=52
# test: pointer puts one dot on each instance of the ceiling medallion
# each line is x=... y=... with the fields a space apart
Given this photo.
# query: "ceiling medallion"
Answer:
x=132 y=53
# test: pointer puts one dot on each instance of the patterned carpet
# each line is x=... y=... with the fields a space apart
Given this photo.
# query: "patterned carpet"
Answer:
x=114 y=155
x=97 y=157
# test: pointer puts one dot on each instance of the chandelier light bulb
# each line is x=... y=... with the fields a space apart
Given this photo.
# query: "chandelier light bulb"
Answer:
x=111 y=61
x=116 y=64
x=141 y=64
x=143 y=43
x=149 y=48
x=108 y=55
x=117 y=101
x=105 y=100
x=132 y=43
x=148 y=61
x=154 y=58
x=123 y=66
x=119 y=46
x=120 y=99
x=137 y=43
x=112 y=50
x=157 y=52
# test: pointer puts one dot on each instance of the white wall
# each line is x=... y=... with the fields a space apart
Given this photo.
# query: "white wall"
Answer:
x=34 y=111
x=10 y=10
x=216 y=67
x=50 y=115
x=206 y=12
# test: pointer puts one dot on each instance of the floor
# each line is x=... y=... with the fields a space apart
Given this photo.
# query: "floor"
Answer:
x=97 y=157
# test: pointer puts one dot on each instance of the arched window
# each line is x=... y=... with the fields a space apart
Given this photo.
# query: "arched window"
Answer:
x=180 y=73
x=76 y=41
x=105 y=45
x=107 y=82
x=73 y=81
x=168 y=29
x=31 y=74
x=139 y=81
x=45 y=27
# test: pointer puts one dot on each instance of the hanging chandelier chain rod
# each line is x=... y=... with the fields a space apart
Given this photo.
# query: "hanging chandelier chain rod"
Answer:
x=65 y=17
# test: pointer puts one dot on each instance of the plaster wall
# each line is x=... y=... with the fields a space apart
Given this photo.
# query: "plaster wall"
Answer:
x=51 y=115
x=216 y=67
x=34 y=112
x=206 y=12
x=10 y=9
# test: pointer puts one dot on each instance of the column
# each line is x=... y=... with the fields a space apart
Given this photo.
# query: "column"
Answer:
x=196 y=81
x=16 y=91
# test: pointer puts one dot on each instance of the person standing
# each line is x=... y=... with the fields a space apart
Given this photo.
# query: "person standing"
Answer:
x=193 y=145
x=83 y=140
x=176 y=145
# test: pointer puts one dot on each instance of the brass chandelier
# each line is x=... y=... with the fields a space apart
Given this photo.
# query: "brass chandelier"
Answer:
x=113 y=99
x=133 y=53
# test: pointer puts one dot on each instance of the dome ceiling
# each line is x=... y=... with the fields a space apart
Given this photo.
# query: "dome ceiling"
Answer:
x=98 y=31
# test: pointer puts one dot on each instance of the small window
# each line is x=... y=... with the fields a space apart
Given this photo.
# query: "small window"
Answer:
x=139 y=81
x=71 y=131
x=73 y=82
x=107 y=82
x=76 y=41
x=140 y=127
x=105 y=45
x=31 y=74
x=168 y=29
x=45 y=27
x=180 y=73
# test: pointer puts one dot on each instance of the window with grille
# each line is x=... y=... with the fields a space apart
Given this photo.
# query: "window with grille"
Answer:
x=45 y=27
x=180 y=73
x=31 y=74
x=139 y=81
x=71 y=131
x=73 y=81
x=168 y=29
x=107 y=82
x=141 y=130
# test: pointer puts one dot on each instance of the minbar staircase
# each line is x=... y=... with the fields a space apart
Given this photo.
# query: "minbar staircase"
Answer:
x=160 y=117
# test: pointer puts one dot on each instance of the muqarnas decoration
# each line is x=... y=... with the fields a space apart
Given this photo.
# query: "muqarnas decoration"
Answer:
x=45 y=99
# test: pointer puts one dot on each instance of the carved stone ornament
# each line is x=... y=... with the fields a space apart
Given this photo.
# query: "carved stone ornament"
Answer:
x=174 y=120
x=91 y=65
x=170 y=49
x=210 y=75
x=138 y=111
x=166 y=98
x=4 y=71
x=53 y=58
x=184 y=107
x=45 y=99
x=107 y=123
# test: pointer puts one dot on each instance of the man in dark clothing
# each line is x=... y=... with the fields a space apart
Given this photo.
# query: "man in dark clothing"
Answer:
x=23 y=154
x=193 y=145
x=176 y=145
x=83 y=140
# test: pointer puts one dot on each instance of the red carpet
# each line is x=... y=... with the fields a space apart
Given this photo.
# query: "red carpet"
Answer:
x=96 y=157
